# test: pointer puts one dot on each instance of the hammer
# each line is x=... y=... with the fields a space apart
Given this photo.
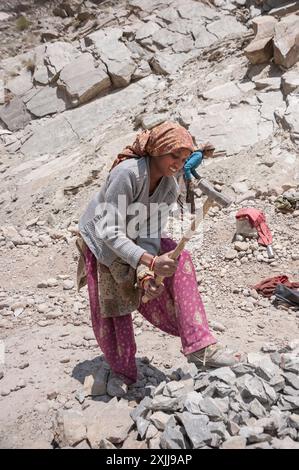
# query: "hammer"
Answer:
x=186 y=237
x=212 y=193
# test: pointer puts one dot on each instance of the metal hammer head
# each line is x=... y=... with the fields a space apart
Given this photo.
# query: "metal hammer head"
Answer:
x=214 y=195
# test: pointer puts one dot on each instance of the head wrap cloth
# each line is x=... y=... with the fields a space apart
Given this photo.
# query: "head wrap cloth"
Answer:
x=161 y=140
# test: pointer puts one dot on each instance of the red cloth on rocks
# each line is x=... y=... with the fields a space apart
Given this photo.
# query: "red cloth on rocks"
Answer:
x=267 y=286
x=258 y=220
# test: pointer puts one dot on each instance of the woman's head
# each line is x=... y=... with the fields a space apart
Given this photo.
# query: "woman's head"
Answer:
x=168 y=145
x=207 y=149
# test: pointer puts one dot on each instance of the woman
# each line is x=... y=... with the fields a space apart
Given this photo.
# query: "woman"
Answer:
x=144 y=174
x=206 y=150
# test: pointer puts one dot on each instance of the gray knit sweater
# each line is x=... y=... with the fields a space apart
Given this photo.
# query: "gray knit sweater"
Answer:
x=109 y=237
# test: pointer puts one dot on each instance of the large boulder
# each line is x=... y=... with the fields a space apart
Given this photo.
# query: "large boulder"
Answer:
x=82 y=80
x=58 y=54
x=115 y=55
x=286 y=41
x=260 y=50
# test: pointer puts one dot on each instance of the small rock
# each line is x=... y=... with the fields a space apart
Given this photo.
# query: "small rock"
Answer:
x=231 y=254
x=67 y=285
x=24 y=365
x=52 y=282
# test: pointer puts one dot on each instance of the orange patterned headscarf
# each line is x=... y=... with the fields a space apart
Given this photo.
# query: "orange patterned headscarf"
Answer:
x=162 y=139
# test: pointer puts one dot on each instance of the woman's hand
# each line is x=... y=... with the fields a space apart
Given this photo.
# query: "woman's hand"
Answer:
x=165 y=266
x=151 y=290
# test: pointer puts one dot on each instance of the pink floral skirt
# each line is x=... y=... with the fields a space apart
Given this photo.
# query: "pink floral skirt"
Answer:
x=179 y=311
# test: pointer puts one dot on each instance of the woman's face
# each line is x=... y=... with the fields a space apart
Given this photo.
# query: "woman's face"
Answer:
x=171 y=163
x=209 y=153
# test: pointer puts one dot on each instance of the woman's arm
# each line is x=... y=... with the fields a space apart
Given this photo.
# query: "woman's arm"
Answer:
x=111 y=223
x=193 y=162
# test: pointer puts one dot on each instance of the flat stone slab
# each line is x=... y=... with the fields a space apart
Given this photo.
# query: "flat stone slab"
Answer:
x=220 y=124
x=52 y=136
x=82 y=80
x=46 y=101
x=223 y=92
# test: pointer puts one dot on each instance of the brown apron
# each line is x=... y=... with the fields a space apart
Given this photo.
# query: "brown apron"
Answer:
x=119 y=294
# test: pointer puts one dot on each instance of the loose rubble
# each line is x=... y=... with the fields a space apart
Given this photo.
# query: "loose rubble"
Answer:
x=250 y=405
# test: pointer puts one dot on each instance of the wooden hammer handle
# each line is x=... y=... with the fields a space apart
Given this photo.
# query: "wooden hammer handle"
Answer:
x=181 y=245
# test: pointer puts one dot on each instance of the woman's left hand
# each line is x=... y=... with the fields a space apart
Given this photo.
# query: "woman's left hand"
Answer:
x=151 y=290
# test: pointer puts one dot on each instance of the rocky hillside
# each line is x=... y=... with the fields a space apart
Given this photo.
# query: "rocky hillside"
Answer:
x=78 y=79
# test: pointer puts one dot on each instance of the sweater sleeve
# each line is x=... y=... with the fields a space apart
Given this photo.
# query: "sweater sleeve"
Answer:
x=111 y=224
x=193 y=162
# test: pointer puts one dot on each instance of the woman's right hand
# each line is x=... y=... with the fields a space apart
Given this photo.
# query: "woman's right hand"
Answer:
x=151 y=290
x=165 y=266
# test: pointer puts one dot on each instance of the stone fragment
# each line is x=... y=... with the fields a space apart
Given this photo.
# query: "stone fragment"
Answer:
x=235 y=442
x=231 y=254
x=208 y=406
x=241 y=246
x=142 y=426
x=142 y=409
x=159 y=419
x=172 y=438
x=191 y=402
x=162 y=403
x=292 y=379
x=96 y=384
x=111 y=422
x=225 y=374
x=68 y=285
x=256 y=409
x=14 y=115
x=69 y=428
x=196 y=428
x=254 y=387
